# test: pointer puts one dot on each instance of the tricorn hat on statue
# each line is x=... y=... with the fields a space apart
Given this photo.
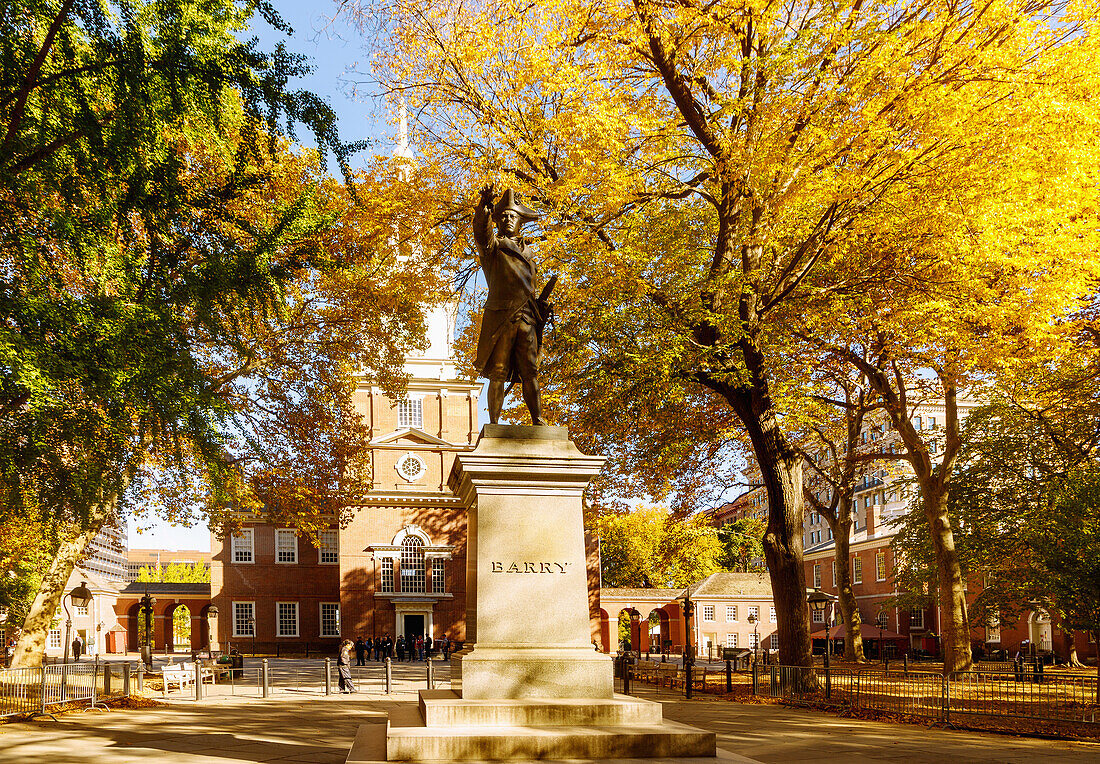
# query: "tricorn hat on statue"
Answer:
x=509 y=200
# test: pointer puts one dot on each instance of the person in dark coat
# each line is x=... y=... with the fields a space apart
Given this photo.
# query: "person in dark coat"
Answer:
x=400 y=646
x=360 y=651
x=428 y=645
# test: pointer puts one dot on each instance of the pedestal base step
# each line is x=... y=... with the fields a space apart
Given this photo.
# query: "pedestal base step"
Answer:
x=445 y=708
x=407 y=739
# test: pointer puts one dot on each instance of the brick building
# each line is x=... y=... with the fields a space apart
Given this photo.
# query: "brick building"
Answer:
x=398 y=568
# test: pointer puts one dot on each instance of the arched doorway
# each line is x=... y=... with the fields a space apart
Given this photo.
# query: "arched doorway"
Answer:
x=659 y=633
x=631 y=632
x=178 y=633
x=1040 y=630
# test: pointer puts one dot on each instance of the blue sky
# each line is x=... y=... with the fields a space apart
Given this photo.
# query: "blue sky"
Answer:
x=336 y=50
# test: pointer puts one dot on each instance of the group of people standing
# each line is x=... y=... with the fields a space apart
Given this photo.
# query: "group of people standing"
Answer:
x=415 y=648
x=380 y=648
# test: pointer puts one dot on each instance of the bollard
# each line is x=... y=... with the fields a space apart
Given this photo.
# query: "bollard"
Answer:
x=328 y=676
x=264 y=678
x=126 y=679
x=107 y=677
x=141 y=678
x=905 y=664
x=389 y=675
x=729 y=676
x=886 y=665
x=198 y=681
x=431 y=674
x=754 y=679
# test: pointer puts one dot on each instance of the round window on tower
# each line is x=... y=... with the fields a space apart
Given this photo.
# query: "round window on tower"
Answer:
x=410 y=467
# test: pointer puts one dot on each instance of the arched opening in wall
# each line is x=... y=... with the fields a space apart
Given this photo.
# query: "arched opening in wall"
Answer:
x=134 y=628
x=630 y=629
x=180 y=630
x=1041 y=631
x=660 y=635
x=412 y=565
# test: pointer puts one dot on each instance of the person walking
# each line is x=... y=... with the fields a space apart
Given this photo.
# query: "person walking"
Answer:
x=428 y=646
x=78 y=648
x=400 y=647
x=419 y=647
x=343 y=667
x=446 y=647
x=360 y=651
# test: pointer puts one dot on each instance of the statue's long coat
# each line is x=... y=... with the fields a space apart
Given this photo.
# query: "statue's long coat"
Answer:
x=511 y=274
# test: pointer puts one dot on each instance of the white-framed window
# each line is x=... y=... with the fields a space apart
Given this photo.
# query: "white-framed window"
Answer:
x=286 y=546
x=328 y=547
x=731 y=614
x=834 y=573
x=754 y=612
x=241 y=546
x=882 y=620
x=993 y=633
x=387 y=574
x=286 y=619
x=817 y=616
x=817 y=576
x=916 y=618
x=330 y=619
x=439 y=576
x=81 y=610
x=754 y=640
x=244 y=619
x=708 y=612
x=775 y=641
x=880 y=566
x=53 y=639
x=771 y=615
x=410 y=413
x=412 y=565
x=857 y=570
x=731 y=640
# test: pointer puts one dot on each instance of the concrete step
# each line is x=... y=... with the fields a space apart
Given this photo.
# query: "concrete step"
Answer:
x=445 y=708
x=664 y=740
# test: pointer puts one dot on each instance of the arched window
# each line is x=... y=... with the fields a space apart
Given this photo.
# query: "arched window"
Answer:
x=412 y=564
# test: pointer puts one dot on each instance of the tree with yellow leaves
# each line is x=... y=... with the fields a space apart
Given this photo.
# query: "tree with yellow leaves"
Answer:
x=712 y=177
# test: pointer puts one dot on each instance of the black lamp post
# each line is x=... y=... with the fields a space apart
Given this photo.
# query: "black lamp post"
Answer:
x=80 y=596
x=754 y=620
x=147 y=604
x=689 y=652
x=818 y=601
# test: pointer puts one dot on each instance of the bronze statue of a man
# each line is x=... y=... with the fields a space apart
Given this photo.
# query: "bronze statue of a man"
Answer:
x=510 y=342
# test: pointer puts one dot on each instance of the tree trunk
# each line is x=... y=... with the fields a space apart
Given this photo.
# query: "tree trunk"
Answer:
x=1096 y=641
x=849 y=608
x=781 y=471
x=1071 y=646
x=31 y=647
x=955 y=639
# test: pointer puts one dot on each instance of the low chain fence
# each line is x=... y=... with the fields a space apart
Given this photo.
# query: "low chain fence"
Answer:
x=41 y=690
x=320 y=677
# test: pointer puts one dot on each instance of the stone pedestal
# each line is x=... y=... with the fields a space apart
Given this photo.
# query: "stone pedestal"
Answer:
x=528 y=683
x=526 y=581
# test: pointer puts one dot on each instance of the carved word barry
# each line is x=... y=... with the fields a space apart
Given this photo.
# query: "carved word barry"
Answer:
x=529 y=567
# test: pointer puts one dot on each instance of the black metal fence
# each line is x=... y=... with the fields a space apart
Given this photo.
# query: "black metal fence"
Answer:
x=1006 y=694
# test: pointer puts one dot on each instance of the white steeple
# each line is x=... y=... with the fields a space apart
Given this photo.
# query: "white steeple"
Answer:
x=402 y=150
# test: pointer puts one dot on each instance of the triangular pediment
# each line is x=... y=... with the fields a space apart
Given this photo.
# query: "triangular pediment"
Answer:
x=409 y=435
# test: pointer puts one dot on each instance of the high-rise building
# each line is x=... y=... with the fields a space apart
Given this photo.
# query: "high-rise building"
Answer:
x=106 y=552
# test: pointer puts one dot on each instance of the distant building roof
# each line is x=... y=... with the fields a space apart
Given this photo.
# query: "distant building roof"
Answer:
x=728 y=584
x=137 y=588
x=629 y=594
